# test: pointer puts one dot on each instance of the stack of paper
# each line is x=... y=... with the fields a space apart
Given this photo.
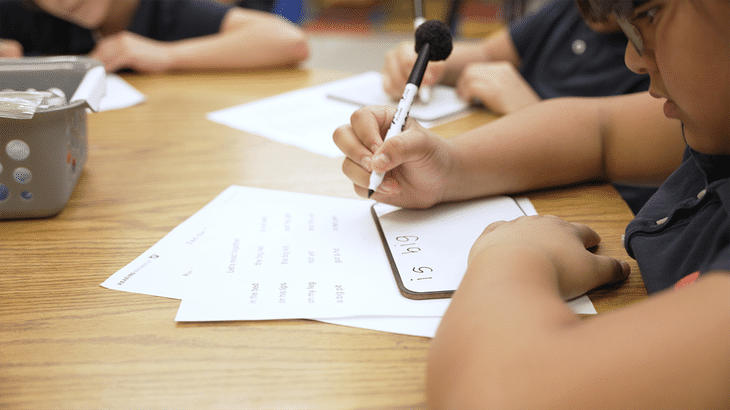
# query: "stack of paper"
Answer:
x=254 y=254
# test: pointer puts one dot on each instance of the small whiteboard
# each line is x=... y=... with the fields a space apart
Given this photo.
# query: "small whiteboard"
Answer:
x=428 y=248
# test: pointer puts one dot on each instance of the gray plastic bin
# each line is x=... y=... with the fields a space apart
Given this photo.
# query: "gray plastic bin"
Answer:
x=41 y=158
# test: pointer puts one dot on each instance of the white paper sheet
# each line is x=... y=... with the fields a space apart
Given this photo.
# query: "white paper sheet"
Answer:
x=369 y=91
x=427 y=326
x=120 y=94
x=304 y=118
x=163 y=269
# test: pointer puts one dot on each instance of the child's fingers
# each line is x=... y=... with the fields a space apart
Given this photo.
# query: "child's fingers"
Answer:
x=358 y=175
x=407 y=146
x=359 y=139
x=10 y=48
x=589 y=237
x=605 y=270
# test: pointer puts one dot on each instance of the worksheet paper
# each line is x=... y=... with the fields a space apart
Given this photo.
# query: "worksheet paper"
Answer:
x=181 y=262
x=283 y=255
x=307 y=118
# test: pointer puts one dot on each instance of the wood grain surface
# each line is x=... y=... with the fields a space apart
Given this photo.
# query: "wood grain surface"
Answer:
x=66 y=342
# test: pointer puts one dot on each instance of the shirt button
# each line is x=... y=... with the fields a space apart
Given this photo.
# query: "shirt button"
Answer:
x=578 y=47
x=662 y=221
x=702 y=194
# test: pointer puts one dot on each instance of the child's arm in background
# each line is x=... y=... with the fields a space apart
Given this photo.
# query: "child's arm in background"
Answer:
x=488 y=73
x=496 y=47
x=509 y=341
x=247 y=39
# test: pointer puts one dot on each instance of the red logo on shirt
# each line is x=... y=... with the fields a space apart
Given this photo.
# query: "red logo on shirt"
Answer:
x=687 y=280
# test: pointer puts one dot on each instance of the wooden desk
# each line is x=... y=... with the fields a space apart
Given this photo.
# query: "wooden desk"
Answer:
x=66 y=342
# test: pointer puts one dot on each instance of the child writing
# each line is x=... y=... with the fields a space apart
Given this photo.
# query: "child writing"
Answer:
x=548 y=54
x=507 y=339
x=551 y=53
x=150 y=35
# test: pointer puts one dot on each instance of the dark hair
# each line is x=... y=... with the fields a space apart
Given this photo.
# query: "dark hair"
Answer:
x=599 y=10
x=514 y=9
x=30 y=4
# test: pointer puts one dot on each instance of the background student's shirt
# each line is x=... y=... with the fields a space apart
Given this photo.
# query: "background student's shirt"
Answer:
x=562 y=56
x=42 y=34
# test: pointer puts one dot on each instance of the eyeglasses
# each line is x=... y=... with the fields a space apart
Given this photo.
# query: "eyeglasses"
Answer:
x=632 y=33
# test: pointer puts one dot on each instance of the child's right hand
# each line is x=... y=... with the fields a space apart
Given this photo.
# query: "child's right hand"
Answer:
x=416 y=161
x=398 y=65
x=10 y=48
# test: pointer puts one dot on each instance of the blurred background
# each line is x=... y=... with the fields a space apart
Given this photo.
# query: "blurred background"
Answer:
x=378 y=26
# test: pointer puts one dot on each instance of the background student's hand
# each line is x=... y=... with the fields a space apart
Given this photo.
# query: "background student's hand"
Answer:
x=130 y=50
x=416 y=161
x=499 y=86
x=10 y=48
x=397 y=68
x=560 y=246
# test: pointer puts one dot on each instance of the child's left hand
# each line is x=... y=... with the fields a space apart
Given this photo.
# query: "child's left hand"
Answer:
x=498 y=85
x=132 y=51
x=562 y=245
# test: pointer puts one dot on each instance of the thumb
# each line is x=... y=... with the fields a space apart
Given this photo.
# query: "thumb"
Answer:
x=404 y=147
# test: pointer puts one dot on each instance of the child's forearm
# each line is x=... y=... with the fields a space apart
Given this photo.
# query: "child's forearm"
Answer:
x=550 y=144
x=564 y=141
x=508 y=341
x=244 y=42
x=502 y=316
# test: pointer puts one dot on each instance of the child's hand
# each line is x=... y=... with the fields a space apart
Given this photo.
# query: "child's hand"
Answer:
x=10 y=48
x=563 y=245
x=498 y=86
x=130 y=50
x=416 y=161
x=398 y=65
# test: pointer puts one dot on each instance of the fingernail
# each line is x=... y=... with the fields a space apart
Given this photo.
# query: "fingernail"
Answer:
x=388 y=187
x=380 y=161
x=625 y=267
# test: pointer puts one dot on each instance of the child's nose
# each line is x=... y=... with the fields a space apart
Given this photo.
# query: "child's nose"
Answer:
x=640 y=64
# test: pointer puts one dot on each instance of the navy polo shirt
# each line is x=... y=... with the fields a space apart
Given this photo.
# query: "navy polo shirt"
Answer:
x=561 y=56
x=685 y=227
x=164 y=20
